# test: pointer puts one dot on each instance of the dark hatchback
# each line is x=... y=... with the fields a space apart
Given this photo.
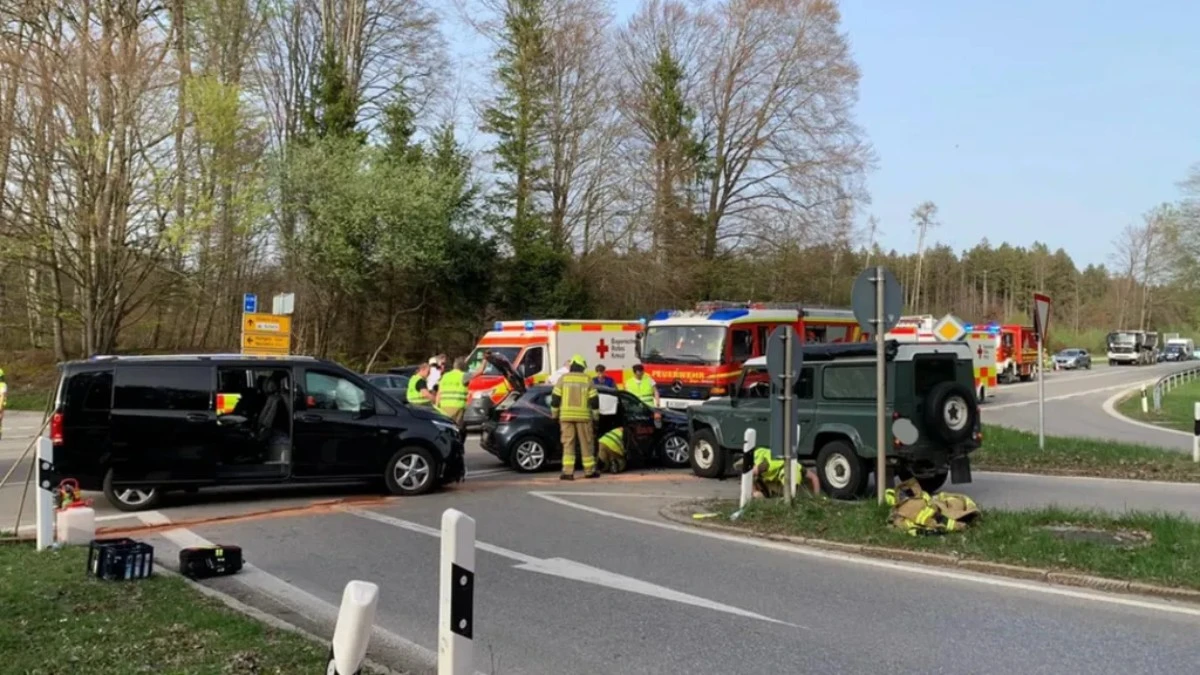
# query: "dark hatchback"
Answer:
x=520 y=432
x=135 y=427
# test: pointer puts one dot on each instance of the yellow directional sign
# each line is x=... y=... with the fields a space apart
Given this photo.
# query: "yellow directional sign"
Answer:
x=272 y=341
x=949 y=329
x=267 y=323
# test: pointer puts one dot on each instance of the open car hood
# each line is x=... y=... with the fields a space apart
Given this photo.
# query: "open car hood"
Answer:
x=515 y=381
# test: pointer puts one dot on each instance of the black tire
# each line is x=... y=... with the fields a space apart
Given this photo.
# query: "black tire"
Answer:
x=842 y=473
x=130 y=500
x=951 y=412
x=522 y=458
x=929 y=484
x=411 y=471
x=706 y=457
x=675 y=445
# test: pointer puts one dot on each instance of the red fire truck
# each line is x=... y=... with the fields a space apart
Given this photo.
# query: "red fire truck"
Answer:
x=696 y=354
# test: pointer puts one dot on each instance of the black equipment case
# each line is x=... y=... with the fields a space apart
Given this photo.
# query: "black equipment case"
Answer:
x=202 y=562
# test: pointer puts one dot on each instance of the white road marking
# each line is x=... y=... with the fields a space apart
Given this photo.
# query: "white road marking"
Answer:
x=489 y=472
x=1055 y=379
x=1001 y=582
x=574 y=571
x=1087 y=392
x=1110 y=408
x=1130 y=481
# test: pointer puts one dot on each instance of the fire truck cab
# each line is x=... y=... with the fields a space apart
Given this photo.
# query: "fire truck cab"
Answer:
x=1017 y=355
x=697 y=354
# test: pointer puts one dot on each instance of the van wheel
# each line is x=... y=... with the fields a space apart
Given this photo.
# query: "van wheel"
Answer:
x=842 y=473
x=411 y=471
x=675 y=452
x=130 y=499
x=707 y=460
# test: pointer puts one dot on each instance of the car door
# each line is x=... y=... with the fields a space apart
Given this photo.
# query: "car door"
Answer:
x=806 y=411
x=163 y=423
x=336 y=431
x=637 y=419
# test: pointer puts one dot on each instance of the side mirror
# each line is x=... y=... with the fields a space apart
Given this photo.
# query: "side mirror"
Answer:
x=366 y=409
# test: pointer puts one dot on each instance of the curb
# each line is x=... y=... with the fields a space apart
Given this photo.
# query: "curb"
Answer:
x=681 y=514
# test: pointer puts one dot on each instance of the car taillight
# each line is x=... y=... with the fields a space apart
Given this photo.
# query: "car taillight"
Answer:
x=506 y=417
x=56 y=428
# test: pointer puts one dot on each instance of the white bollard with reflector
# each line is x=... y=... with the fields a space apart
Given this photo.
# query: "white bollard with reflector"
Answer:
x=1196 y=432
x=45 y=493
x=1145 y=403
x=355 y=622
x=749 y=441
x=456 y=606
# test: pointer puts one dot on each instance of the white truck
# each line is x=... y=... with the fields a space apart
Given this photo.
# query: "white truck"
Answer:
x=1179 y=349
x=1132 y=347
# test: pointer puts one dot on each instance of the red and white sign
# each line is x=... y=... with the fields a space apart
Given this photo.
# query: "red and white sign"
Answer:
x=1041 y=314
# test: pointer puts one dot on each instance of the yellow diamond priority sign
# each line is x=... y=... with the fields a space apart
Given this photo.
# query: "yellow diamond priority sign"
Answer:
x=949 y=329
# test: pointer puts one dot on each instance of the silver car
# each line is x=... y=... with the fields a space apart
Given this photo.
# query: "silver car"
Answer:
x=1070 y=359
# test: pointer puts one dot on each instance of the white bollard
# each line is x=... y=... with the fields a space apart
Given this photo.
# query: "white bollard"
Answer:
x=45 y=494
x=1196 y=432
x=1145 y=404
x=749 y=442
x=355 y=622
x=456 y=605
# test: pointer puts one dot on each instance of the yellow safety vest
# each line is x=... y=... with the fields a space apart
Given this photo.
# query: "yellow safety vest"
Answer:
x=774 y=472
x=574 y=398
x=452 y=392
x=614 y=441
x=414 y=396
x=643 y=388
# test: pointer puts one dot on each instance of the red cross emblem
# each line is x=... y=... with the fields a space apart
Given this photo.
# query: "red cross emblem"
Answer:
x=601 y=348
x=979 y=351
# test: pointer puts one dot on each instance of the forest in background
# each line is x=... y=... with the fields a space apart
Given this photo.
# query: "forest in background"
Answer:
x=160 y=158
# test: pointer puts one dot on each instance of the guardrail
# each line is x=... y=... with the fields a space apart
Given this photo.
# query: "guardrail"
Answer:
x=1168 y=382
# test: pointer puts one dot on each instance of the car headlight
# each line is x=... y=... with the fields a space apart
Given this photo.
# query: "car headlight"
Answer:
x=446 y=425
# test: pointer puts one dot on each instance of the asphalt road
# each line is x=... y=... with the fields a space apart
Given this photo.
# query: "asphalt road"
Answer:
x=563 y=590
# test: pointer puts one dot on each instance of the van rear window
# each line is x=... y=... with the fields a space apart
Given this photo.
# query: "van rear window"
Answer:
x=164 y=388
x=90 y=390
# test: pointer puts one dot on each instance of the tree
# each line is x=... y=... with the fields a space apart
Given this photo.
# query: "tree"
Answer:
x=924 y=218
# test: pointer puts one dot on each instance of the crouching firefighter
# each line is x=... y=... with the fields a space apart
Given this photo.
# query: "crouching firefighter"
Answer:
x=576 y=405
x=612 y=450
x=768 y=474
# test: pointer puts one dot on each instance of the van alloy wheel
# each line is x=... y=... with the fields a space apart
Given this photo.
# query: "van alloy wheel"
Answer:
x=676 y=451
x=134 y=497
x=412 y=472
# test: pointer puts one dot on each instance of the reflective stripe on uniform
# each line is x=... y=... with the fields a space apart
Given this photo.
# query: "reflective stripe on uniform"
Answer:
x=453 y=392
x=574 y=395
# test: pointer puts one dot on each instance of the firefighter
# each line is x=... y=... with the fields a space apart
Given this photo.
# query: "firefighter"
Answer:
x=418 y=387
x=642 y=386
x=768 y=475
x=576 y=405
x=452 y=393
x=612 y=450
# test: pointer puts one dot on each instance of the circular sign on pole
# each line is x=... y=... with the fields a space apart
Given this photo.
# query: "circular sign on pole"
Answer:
x=862 y=300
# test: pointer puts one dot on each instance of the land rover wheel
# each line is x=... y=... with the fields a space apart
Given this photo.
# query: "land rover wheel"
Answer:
x=130 y=498
x=411 y=471
x=951 y=412
x=842 y=473
x=707 y=459
x=675 y=451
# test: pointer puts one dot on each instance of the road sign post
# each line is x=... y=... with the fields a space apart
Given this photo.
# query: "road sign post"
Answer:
x=749 y=442
x=877 y=300
x=784 y=357
x=249 y=303
x=47 y=481
x=1041 y=319
x=266 y=334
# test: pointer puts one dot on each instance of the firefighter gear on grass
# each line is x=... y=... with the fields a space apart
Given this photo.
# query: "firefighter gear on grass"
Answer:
x=916 y=512
x=612 y=450
x=576 y=405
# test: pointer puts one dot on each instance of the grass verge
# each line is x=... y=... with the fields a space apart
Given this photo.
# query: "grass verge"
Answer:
x=1178 y=406
x=1157 y=549
x=57 y=618
x=1007 y=449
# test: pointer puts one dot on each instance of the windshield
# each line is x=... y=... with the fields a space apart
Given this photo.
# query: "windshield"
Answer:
x=509 y=353
x=1122 y=338
x=700 y=345
x=1069 y=352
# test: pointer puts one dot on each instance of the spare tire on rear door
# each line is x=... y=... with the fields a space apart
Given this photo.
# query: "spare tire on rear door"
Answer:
x=951 y=412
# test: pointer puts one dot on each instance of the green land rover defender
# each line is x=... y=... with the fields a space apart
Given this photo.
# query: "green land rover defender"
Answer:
x=932 y=425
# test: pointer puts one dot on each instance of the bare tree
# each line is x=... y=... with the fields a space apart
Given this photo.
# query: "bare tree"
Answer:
x=924 y=218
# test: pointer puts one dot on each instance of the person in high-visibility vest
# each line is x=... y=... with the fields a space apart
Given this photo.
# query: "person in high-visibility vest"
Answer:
x=575 y=403
x=452 y=393
x=418 y=393
x=612 y=450
x=642 y=386
x=768 y=475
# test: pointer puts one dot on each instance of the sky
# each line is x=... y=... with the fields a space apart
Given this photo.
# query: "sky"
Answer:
x=1024 y=121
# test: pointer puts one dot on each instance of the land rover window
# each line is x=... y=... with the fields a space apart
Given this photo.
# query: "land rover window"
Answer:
x=804 y=387
x=848 y=382
x=164 y=388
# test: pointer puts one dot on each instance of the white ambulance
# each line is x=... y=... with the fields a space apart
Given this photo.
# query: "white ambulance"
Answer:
x=982 y=340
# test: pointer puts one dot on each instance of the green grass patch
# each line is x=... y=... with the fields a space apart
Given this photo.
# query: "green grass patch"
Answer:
x=57 y=619
x=1155 y=548
x=1178 y=407
x=26 y=399
x=1007 y=449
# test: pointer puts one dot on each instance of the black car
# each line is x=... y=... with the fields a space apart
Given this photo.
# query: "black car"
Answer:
x=137 y=426
x=395 y=386
x=520 y=432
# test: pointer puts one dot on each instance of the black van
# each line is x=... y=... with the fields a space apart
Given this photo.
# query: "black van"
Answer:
x=136 y=426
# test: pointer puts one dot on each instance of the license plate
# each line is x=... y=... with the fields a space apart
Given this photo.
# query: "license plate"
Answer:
x=676 y=404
